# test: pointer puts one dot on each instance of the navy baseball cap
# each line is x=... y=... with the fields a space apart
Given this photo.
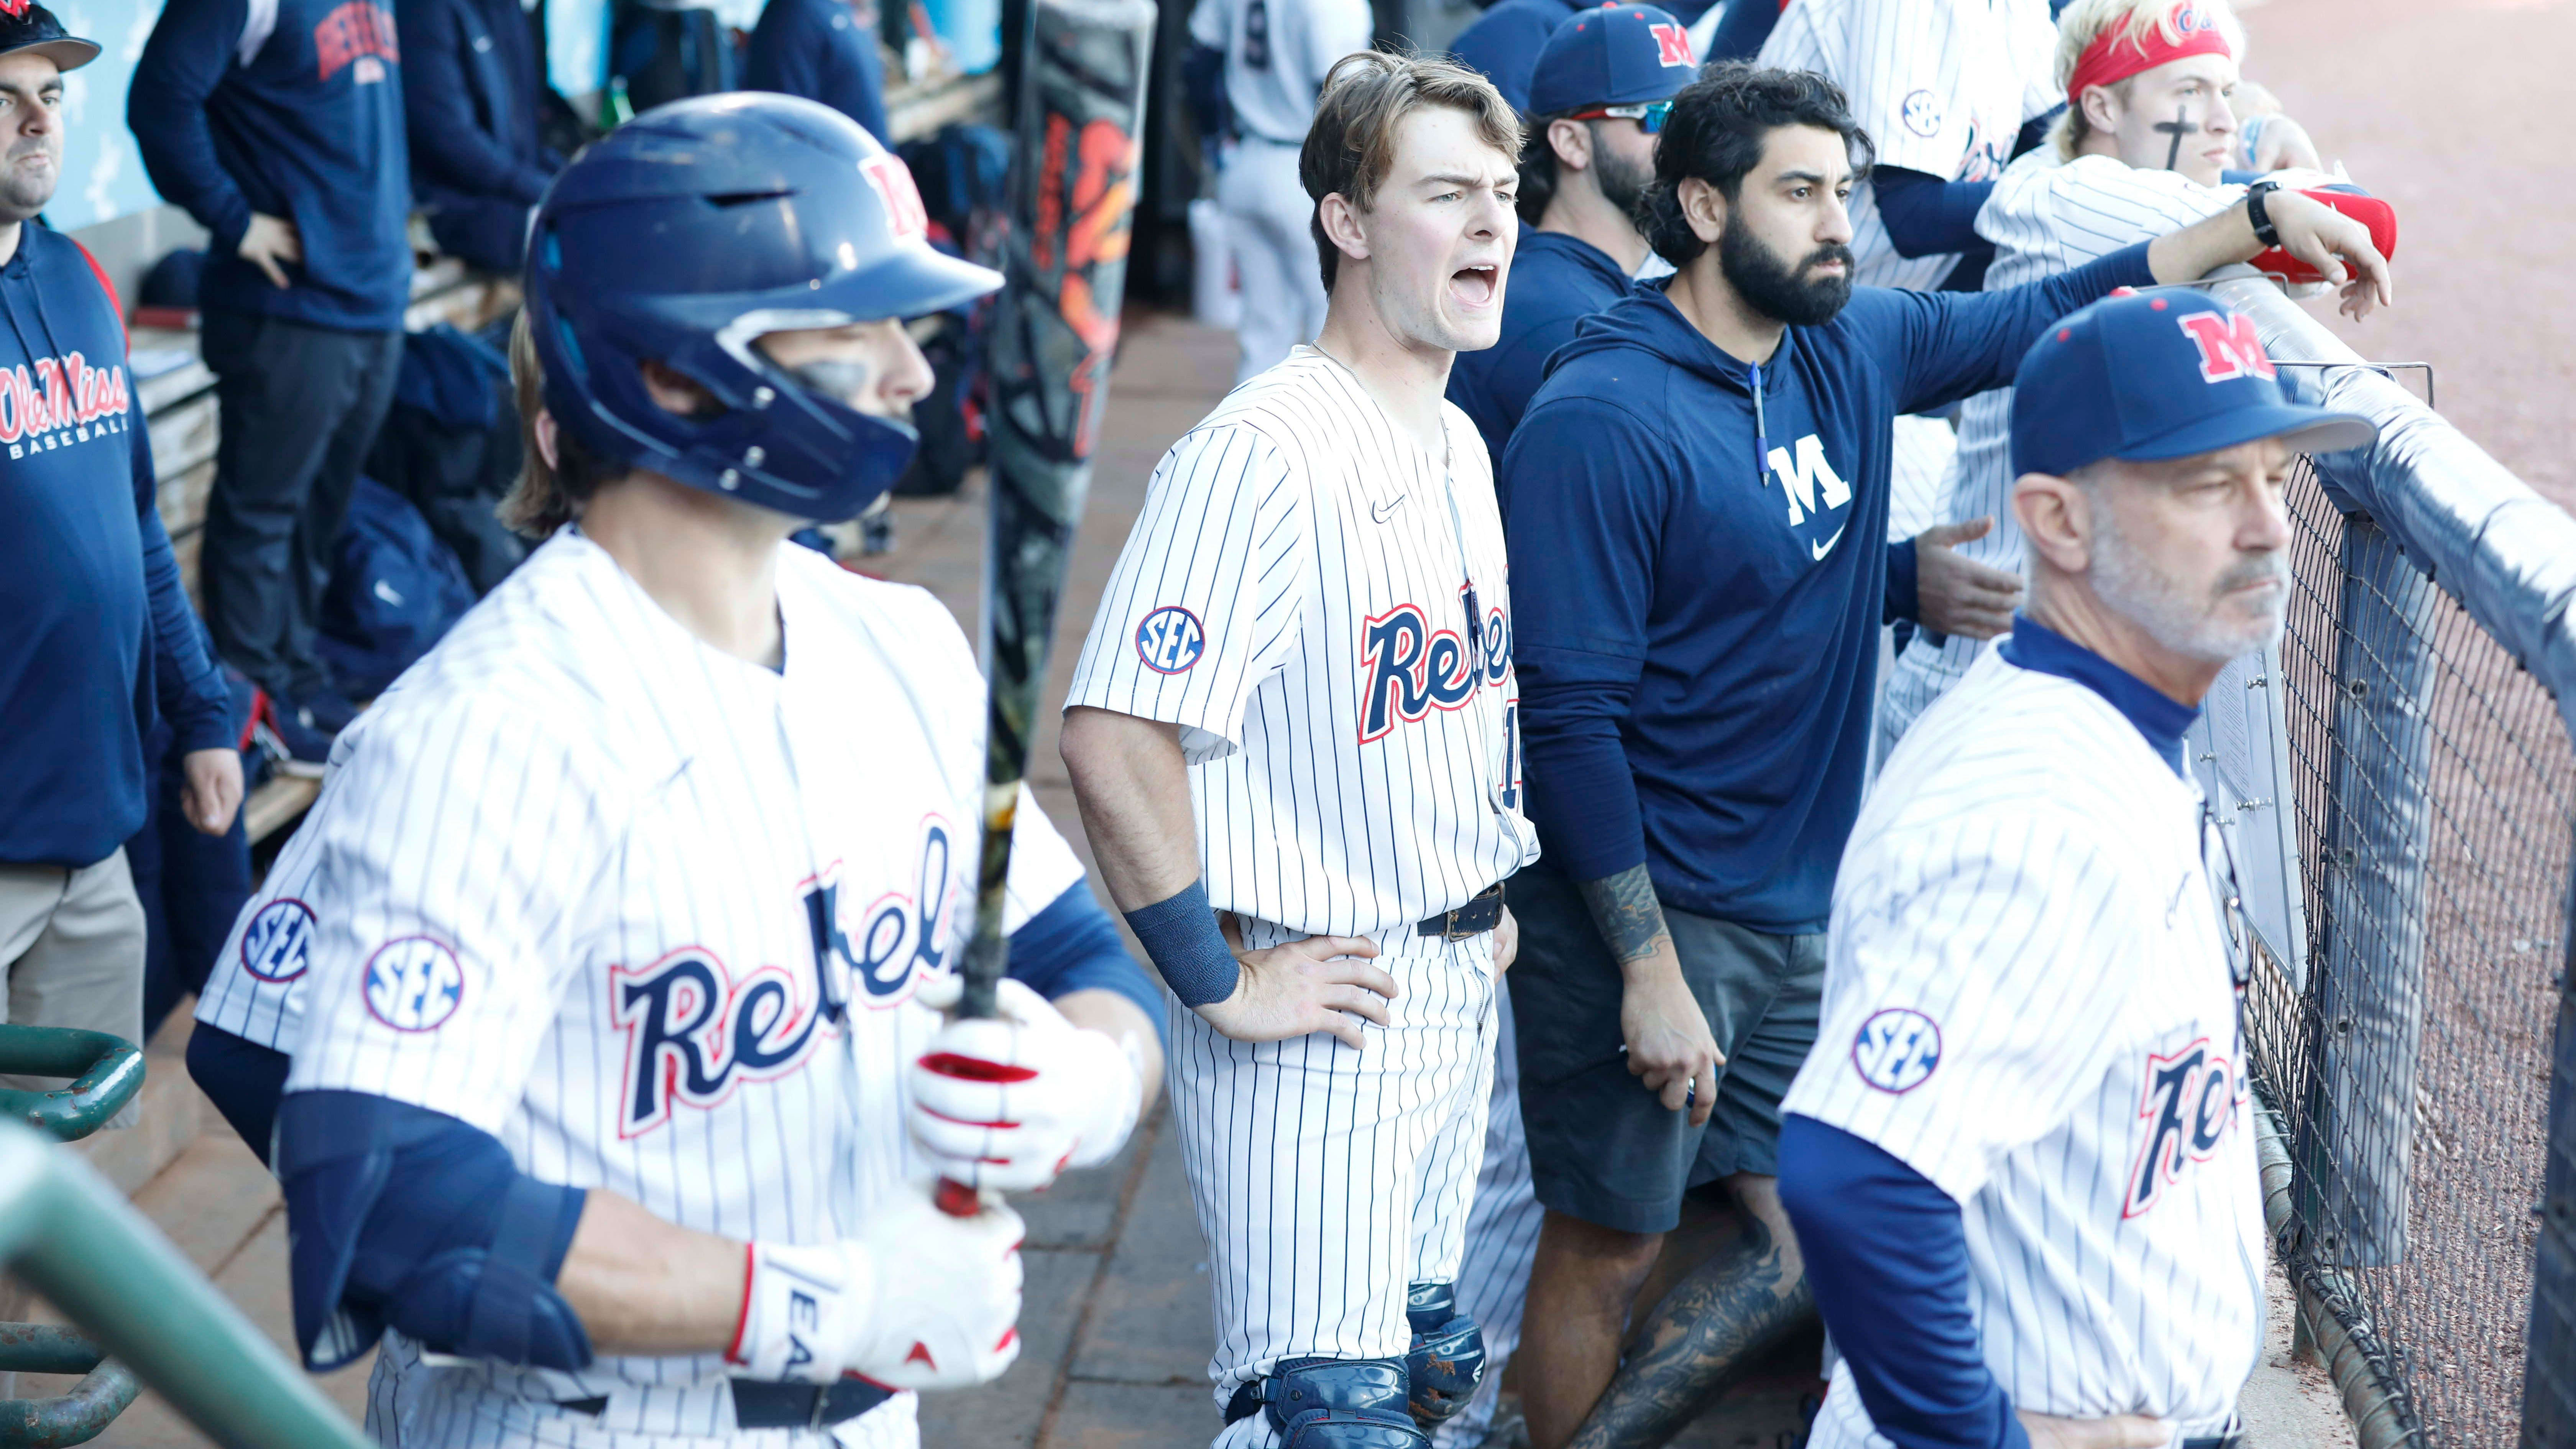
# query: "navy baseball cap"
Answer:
x=2166 y=373
x=25 y=25
x=1618 y=55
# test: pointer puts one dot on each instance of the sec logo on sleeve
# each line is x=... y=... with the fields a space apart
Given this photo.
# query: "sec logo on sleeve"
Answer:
x=1897 y=1050
x=275 y=943
x=413 y=984
x=1170 y=640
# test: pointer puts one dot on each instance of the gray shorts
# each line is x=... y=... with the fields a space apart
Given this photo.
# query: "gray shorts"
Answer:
x=1602 y=1147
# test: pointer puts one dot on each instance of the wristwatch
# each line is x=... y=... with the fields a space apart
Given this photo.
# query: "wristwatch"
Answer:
x=2256 y=213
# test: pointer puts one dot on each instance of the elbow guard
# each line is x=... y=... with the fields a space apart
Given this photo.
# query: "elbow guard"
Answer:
x=407 y=1218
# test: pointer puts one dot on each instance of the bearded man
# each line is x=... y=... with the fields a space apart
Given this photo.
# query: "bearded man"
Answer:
x=1695 y=508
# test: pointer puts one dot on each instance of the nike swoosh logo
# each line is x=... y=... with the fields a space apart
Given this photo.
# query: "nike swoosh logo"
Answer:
x=1384 y=511
x=1827 y=546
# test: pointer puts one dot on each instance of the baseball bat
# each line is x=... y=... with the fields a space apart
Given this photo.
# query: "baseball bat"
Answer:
x=1077 y=150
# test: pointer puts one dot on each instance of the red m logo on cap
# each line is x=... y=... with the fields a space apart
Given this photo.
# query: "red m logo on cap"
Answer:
x=1672 y=44
x=2229 y=346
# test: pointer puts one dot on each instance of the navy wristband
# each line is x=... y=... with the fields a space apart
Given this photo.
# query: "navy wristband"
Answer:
x=1181 y=937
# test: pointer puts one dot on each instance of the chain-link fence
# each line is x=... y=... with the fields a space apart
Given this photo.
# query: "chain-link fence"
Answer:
x=2408 y=1056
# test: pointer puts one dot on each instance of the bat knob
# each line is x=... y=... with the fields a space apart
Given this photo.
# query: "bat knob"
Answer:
x=957 y=1199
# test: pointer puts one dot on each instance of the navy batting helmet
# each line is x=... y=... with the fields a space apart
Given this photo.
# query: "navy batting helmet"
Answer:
x=688 y=233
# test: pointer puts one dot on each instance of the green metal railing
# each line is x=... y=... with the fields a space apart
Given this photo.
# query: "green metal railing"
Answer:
x=77 y=1241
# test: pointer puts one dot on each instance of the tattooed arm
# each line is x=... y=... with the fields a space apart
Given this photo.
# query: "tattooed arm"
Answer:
x=1660 y=1019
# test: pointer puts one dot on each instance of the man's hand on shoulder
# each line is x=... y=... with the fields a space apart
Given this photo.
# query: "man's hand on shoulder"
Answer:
x=1955 y=594
x=1321 y=983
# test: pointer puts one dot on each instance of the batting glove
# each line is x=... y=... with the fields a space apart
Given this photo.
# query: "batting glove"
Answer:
x=920 y=1300
x=1011 y=1101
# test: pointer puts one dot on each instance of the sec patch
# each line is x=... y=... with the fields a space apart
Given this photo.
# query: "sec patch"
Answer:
x=1170 y=640
x=413 y=983
x=1922 y=114
x=276 y=943
x=1897 y=1050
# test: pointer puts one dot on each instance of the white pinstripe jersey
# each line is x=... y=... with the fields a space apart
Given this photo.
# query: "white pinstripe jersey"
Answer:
x=1295 y=596
x=2045 y=217
x=652 y=915
x=1941 y=86
x=2029 y=1001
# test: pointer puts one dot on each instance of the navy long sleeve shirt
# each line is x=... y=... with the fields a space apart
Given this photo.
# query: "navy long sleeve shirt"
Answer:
x=100 y=640
x=303 y=122
x=821 y=50
x=470 y=87
x=1557 y=280
x=1699 y=573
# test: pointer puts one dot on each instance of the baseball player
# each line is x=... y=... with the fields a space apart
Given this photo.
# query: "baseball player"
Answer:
x=2143 y=146
x=1295 y=710
x=614 y=935
x=2020 y=1157
x=1276 y=55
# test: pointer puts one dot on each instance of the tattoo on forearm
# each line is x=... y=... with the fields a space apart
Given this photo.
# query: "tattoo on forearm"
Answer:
x=1707 y=1333
x=1625 y=911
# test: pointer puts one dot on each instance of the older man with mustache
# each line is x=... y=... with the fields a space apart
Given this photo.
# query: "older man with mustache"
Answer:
x=2020 y=1159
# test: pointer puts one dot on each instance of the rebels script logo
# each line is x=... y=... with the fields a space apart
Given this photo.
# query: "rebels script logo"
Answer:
x=57 y=402
x=695 y=1028
x=2189 y=1104
x=1408 y=669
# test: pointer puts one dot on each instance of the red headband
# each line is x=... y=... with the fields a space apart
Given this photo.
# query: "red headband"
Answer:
x=2114 y=57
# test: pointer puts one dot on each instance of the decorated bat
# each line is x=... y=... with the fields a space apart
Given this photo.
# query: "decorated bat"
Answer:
x=1078 y=149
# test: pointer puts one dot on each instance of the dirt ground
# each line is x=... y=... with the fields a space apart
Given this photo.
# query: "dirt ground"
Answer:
x=2452 y=109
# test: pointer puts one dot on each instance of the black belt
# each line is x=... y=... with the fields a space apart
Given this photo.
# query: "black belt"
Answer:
x=2220 y=1441
x=1475 y=918
x=762 y=1404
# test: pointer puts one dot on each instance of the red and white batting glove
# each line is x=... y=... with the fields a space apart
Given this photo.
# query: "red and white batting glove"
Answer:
x=1011 y=1101
x=919 y=1300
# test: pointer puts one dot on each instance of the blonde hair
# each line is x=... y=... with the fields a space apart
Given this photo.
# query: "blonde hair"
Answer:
x=1367 y=94
x=2086 y=21
x=545 y=496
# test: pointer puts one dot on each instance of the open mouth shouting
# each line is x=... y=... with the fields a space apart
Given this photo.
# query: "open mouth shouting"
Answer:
x=1474 y=287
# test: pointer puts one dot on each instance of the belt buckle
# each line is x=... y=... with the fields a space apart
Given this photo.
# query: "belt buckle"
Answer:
x=822 y=1401
x=1450 y=930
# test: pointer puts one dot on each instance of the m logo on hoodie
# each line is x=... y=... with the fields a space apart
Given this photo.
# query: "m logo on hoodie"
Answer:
x=1808 y=480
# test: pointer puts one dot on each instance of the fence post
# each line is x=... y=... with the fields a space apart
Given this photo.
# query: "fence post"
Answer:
x=2356 y=1139
x=2549 y=1373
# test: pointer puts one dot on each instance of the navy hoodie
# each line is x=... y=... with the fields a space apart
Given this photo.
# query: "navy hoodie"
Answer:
x=1556 y=281
x=98 y=624
x=1699 y=572
x=307 y=126
x=821 y=50
x=470 y=92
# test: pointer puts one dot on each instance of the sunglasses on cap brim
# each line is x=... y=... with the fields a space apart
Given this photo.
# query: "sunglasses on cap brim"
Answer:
x=1649 y=115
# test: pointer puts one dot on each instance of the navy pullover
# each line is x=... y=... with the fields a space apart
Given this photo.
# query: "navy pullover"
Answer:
x=470 y=95
x=818 y=49
x=1557 y=280
x=1699 y=572
x=302 y=119
x=98 y=625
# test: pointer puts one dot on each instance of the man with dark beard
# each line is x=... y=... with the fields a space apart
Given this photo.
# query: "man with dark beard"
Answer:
x=1598 y=97
x=1695 y=507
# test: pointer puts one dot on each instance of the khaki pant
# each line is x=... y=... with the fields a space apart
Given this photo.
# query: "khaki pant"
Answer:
x=71 y=942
